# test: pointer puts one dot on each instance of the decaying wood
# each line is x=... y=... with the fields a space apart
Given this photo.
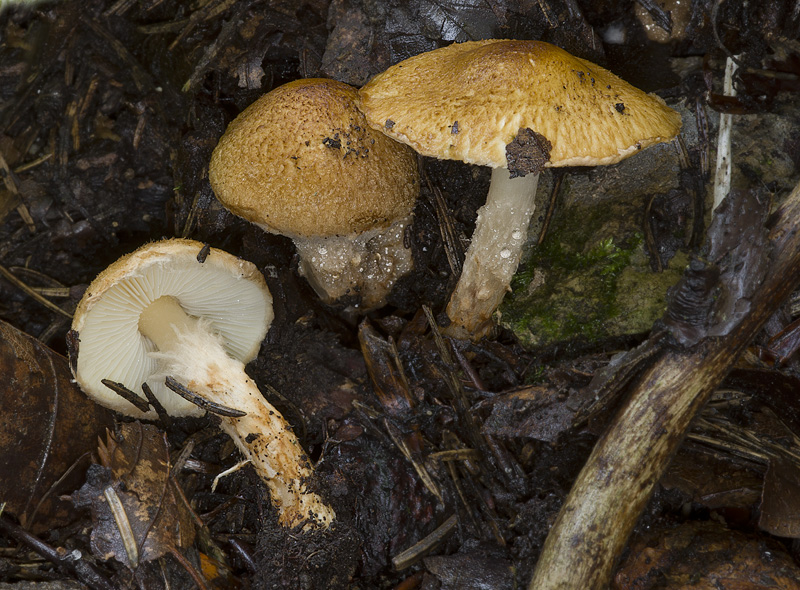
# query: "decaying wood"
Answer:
x=615 y=484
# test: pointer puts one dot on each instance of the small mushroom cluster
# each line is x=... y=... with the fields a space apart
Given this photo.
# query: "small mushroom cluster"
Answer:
x=326 y=165
x=305 y=162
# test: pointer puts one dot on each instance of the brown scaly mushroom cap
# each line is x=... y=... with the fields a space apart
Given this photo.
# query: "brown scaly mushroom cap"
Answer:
x=516 y=106
x=301 y=161
x=469 y=100
x=165 y=311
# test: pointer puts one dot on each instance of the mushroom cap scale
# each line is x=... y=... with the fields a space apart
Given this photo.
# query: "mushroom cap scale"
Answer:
x=467 y=101
x=303 y=162
x=227 y=293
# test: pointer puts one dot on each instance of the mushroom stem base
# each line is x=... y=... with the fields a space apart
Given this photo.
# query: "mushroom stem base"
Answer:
x=501 y=231
x=193 y=355
x=365 y=266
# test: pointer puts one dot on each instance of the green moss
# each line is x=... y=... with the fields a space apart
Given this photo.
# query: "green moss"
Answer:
x=574 y=288
x=536 y=376
x=572 y=274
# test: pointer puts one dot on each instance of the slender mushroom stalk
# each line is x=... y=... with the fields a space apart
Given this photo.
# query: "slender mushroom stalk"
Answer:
x=159 y=313
x=501 y=231
x=192 y=354
x=472 y=102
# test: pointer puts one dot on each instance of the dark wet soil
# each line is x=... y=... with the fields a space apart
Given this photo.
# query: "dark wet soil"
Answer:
x=109 y=113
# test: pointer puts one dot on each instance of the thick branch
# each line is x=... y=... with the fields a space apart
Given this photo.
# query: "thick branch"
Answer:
x=614 y=486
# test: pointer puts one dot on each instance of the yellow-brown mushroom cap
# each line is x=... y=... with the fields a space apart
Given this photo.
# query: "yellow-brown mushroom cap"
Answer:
x=469 y=100
x=303 y=162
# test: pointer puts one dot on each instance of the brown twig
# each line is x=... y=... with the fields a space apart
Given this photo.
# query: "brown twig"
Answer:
x=202 y=402
x=211 y=52
x=417 y=551
x=32 y=293
x=72 y=561
x=163 y=415
x=127 y=394
x=452 y=246
x=649 y=238
x=196 y=575
x=558 y=178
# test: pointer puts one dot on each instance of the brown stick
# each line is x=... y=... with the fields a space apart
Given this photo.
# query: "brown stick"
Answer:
x=620 y=475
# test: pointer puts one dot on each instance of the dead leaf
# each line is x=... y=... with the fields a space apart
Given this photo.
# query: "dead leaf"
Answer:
x=713 y=482
x=47 y=427
x=458 y=21
x=716 y=290
x=137 y=513
x=775 y=389
x=706 y=556
x=780 y=504
x=486 y=566
x=384 y=368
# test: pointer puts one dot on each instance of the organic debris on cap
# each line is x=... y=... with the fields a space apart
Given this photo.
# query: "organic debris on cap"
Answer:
x=303 y=162
x=494 y=88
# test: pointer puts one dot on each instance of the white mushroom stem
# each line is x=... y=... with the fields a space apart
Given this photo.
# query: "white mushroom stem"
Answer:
x=192 y=354
x=722 y=173
x=501 y=231
x=367 y=264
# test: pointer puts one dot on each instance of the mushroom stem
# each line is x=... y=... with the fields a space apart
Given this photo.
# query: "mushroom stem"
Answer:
x=194 y=355
x=163 y=320
x=501 y=231
x=366 y=265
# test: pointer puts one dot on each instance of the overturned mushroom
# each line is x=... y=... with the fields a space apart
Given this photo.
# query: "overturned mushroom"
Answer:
x=515 y=106
x=301 y=161
x=162 y=318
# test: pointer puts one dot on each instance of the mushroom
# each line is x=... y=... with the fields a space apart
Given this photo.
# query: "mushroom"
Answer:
x=515 y=106
x=301 y=161
x=159 y=314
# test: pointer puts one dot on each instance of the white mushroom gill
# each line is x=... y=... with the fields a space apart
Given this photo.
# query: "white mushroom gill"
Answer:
x=113 y=348
x=159 y=312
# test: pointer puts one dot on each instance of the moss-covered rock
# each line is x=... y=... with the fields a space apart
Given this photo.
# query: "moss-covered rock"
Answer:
x=593 y=276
